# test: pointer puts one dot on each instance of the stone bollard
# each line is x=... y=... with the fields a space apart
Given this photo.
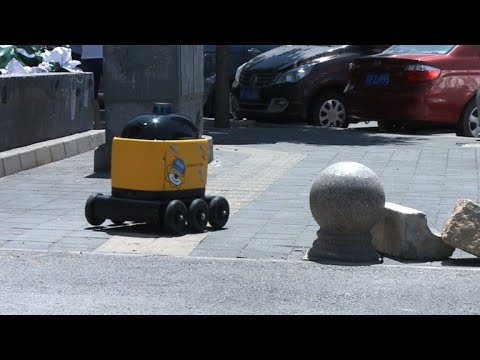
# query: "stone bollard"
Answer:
x=347 y=199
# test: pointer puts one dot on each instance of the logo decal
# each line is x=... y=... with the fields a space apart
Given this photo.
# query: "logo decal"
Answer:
x=176 y=173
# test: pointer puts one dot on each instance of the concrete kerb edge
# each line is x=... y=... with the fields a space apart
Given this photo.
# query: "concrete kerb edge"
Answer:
x=93 y=138
x=11 y=162
x=2 y=169
x=28 y=159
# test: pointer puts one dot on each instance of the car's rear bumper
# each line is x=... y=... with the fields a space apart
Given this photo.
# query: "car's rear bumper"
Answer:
x=387 y=106
x=424 y=103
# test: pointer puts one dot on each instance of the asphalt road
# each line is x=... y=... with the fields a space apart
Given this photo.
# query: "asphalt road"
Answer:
x=74 y=283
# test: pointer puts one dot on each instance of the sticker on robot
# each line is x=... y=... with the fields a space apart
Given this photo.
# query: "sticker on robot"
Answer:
x=176 y=173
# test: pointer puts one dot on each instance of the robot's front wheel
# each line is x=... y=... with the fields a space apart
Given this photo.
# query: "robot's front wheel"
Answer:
x=90 y=211
x=175 y=217
x=219 y=212
x=198 y=215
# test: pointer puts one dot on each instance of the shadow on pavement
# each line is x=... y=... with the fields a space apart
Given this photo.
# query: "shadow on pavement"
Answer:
x=343 y=263
x=475 y=262
x=139 y=230
x=306 y=135
x=98 y=176
x=458 y=262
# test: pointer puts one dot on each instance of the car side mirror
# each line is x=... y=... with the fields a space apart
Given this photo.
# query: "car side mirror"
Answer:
x=254 y=52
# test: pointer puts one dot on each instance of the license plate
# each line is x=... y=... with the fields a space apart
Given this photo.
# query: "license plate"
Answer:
x=249 y=93
x=378 y=79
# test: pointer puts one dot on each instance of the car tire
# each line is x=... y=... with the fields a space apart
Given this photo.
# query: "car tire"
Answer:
x=329 y=110
x=385 y=126
x=394 y=126
x=117 y=221
x=469 y=125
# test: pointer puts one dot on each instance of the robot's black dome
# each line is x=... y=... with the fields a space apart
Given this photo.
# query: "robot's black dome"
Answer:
x=160 y=127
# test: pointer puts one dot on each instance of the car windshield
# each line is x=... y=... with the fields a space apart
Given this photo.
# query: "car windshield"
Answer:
x=419 y=49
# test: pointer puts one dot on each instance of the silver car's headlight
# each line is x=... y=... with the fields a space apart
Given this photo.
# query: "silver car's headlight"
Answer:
x=296 y=74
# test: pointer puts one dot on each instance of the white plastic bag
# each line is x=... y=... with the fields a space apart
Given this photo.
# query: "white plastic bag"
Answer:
x=15 y=67
x=62 y=56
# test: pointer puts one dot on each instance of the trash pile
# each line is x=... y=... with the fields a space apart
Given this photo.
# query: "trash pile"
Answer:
x=36 y=59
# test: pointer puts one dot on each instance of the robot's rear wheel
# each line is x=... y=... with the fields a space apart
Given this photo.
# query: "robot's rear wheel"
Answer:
x=175 y=217
x=198 y=215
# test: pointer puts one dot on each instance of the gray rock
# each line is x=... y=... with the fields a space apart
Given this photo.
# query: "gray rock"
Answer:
x=462 y=229
x=404 y=234
x=347 y=199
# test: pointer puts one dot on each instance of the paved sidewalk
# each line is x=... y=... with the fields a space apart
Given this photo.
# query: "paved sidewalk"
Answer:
x=265 y=173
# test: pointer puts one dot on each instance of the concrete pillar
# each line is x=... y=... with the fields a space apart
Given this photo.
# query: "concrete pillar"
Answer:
x=136 y=76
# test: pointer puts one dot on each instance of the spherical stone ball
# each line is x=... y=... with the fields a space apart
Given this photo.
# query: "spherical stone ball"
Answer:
x=347 y=197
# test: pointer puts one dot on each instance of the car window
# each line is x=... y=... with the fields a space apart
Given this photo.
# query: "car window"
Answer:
x=419 y=49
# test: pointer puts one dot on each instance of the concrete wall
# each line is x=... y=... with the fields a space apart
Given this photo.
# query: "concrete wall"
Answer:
x=41 y=107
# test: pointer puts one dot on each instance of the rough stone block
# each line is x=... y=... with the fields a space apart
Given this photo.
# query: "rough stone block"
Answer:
x=404 y=234
x=462 y=229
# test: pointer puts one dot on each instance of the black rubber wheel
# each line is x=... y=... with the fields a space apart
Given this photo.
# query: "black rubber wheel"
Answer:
x=469 y=122
x=412 y=127
x=386 y=126
x=90 y=211
x=175 y=217
x=117 y=221
x=219 y=212
x=198 y=215
x=329 y=110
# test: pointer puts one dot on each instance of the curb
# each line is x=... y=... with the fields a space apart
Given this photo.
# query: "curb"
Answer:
x=28 y=157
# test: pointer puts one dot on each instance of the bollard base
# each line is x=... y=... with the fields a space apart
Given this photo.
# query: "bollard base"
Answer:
x=102 y=159
x=343 y=248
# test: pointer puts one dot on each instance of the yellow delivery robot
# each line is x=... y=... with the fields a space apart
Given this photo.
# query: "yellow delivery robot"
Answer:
x=159 y=174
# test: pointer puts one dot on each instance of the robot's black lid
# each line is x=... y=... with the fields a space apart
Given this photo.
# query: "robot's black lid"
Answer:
x=161 y=125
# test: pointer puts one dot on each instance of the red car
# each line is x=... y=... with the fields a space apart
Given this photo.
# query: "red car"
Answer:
x=411 y=84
